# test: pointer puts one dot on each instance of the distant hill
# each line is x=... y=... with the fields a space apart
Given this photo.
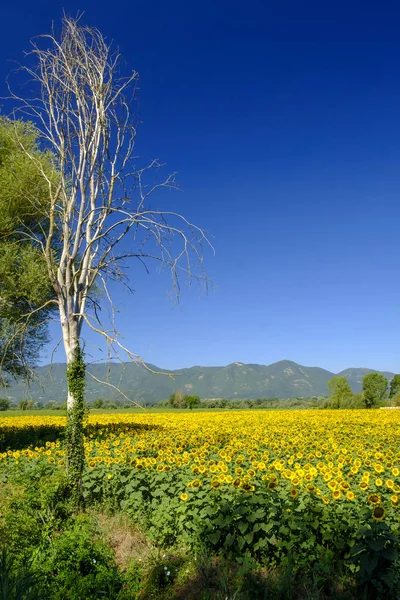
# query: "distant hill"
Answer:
x=283 y=379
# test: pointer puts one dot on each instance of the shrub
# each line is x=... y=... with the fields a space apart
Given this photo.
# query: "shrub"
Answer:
x=5 y=404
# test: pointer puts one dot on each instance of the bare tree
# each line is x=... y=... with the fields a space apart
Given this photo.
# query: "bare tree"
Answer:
x=83 y=110
x=100 y=197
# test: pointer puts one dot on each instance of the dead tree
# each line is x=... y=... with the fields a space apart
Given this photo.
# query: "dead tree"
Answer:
x=84 y=112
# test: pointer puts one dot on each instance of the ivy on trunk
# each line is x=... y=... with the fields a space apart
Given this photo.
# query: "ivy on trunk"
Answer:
x=76 y=416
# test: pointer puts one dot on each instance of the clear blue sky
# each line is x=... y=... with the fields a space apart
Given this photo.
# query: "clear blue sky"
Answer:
x=283 y=120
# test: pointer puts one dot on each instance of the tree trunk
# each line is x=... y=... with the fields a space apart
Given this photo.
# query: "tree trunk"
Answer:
x=74 y=432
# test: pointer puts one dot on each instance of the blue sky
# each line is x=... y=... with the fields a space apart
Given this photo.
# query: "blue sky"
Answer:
x=282 y=120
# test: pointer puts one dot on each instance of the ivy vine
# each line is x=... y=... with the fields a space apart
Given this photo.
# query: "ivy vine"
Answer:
x=76 y=417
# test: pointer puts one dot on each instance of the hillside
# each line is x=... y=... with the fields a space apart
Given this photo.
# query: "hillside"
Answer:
x=283 y=379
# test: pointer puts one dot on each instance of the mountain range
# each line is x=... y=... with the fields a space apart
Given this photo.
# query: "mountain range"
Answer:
x=283 y=379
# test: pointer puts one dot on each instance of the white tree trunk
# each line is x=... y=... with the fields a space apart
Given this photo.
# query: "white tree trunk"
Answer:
x=71 y=343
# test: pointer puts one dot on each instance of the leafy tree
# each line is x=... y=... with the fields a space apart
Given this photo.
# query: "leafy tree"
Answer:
x=98 y=403
x=396 y=400
x=178 y=399
x=192 y=401
x=374 y=387
x=394 y=386
x=25 y=290
x=5 y=404
x=355 y=401
x=23 y=404
x=339 y=391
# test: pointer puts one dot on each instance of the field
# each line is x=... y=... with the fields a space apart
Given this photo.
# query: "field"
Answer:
x=313 y=495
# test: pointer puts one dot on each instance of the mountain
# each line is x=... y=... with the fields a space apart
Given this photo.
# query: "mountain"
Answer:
x=283 y=379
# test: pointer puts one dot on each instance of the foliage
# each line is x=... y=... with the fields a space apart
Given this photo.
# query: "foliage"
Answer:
x=98 y=403
x=374 y=389
x=24 y=285
x=181 y=400
x=75 y=423
x=396 y=399
x=283 y=490
x=192 y=401
x=339 y=392
x=17 y=583
x=394 y=386
x=375 y=553
x=5 y=404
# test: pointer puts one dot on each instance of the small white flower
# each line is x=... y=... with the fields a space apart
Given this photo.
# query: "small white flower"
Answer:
x=164 y=555
x=168 y=573
x=94 y=561
x=165 y=568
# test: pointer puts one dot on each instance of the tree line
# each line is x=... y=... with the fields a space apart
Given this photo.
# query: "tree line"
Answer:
x=375 y=392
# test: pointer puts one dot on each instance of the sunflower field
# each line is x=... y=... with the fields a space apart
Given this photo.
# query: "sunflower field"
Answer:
x=276 y=486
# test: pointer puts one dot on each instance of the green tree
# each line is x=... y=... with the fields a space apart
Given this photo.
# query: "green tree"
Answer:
x=396 y=399
x=98 y=403
x=5 y=404
x=394 y=386
x=192 y=401
x=25 y=291
x=340 y=392
x=374 y=387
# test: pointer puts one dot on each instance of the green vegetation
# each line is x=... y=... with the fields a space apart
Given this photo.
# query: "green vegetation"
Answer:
x=339 y=392
x=164 y=531
x=4 y=404
x=374 y=389
x=394 y=386
x=25 y=289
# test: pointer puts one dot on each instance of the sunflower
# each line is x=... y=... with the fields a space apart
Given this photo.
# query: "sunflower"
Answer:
x=350 y=495
x=363 y=485
x=374 y=499
x=378 y=482
x=236 y=482
x=247 y=487
x=336 y=494
x=184 y=497
x=294 y=493
x=378 y=513
x=395 y=500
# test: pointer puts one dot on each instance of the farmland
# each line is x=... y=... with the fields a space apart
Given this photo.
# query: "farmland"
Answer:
x=309 y=490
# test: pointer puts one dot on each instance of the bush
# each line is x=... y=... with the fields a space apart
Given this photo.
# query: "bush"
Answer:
x=80 y=566
x=5 y=404
x=98 y=403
